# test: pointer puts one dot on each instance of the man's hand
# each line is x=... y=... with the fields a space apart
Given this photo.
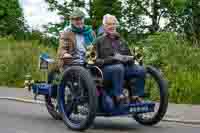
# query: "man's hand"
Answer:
x=66 y=55
x=123 y=58
x=67 y=58
x=118 y=57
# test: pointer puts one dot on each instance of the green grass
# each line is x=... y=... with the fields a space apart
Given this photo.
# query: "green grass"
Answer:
x=179 y=62
x=18 y=59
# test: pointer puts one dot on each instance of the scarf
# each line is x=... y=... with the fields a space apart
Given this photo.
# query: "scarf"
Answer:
x=115 y=40
x=87 y=33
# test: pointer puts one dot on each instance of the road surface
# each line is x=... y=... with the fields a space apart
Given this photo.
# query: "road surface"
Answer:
x=16 y=117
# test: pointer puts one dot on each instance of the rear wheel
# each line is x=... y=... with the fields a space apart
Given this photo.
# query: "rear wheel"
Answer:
x=52 y=108
x=77 y=98
x=51 y=103
x=156 y=88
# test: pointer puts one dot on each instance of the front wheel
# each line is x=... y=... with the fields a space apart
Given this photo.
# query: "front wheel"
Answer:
x=77 y=98
x=157 y=93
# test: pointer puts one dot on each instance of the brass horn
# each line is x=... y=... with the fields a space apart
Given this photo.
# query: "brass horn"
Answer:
x=90 y=55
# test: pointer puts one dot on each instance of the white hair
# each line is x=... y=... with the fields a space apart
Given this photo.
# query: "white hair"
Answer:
x=108 y=16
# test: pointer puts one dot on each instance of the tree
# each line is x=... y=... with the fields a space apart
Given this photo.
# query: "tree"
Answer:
x=134 y=12
x=196 y=21
x=177 y=13
x=138 y=18
x=95 y=8
x=102 y=7
x=11 y=18
x=141 y=18
x=184 y=18
x=64 y=9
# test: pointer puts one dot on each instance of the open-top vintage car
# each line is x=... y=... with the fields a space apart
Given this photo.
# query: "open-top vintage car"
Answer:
x=79 y=94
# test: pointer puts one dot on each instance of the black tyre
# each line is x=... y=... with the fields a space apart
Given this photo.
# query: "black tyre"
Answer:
x=161 y=99
x=51 y=103
x=77 y=98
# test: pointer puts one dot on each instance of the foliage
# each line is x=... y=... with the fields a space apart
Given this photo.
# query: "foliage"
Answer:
x=102 y=7
x=178 y=61
x=19 y=58
x=11 y=18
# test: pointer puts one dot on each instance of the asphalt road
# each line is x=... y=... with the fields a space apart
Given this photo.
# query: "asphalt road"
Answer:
x=16 y=117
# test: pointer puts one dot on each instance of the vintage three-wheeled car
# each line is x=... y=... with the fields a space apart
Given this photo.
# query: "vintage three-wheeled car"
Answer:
x=79 y=94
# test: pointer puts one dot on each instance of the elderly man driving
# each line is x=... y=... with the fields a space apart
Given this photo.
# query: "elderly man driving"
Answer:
x=110 y=49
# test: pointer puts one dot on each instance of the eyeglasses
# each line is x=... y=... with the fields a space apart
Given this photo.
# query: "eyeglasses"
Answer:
x=109 y=24
x=112 y=24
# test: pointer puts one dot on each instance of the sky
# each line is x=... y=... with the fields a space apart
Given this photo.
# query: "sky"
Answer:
x=36 y=13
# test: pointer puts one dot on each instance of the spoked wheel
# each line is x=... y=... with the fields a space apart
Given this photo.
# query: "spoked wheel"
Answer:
x=51 y=103
x=52 y=107
x=156 y=88
x=77 y=98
